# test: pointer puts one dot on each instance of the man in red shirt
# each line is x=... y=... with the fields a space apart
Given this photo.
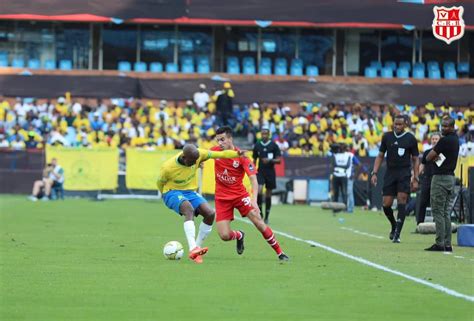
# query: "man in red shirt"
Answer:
x=231 y=193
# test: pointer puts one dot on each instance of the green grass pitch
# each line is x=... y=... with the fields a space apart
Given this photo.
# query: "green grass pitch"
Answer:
x=87 y=260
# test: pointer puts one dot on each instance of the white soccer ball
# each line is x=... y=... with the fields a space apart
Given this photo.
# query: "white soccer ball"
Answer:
x=173 y=250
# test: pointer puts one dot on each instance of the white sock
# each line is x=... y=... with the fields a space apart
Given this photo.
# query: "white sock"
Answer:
x=204 y=231
x=190 y=231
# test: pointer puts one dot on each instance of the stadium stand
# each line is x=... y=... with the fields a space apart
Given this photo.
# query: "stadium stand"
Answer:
x=309 y=129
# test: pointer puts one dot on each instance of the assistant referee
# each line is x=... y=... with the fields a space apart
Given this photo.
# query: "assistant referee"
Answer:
x=402 y=150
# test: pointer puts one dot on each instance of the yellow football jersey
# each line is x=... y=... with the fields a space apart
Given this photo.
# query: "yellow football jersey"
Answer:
x=174 y=176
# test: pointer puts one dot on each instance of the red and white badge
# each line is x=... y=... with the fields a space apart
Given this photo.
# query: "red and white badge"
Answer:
x=448 y=24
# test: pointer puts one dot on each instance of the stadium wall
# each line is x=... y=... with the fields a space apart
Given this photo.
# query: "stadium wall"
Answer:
x=18 y=169
x=248 y=91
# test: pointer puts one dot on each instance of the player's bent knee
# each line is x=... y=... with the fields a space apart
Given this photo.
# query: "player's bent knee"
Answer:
x=209 y=216
x=387 y=202
x=256 y=219
x=188 y=216
x=402 y=200
x=188 y=213
x=224 y=236
x=254 y=216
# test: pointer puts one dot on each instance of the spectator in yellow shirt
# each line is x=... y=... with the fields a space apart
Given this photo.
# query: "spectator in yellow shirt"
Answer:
x=255 y=114
x=320 y=145
x=295 y=150
x=460 y=122
x=373 y=139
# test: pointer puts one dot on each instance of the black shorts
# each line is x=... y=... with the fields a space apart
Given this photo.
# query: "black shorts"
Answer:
x=396 y=181
x=267 y=177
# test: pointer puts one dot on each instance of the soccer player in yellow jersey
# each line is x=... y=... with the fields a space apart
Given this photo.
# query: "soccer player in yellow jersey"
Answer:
x=177 y=183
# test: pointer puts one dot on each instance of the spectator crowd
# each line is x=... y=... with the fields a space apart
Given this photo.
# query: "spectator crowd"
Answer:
x=303 y=129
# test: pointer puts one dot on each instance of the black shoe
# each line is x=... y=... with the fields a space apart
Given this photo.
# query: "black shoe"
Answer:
x=435 y=248
x=283 y=257
x=391 y=235
x=240 y=244
x=396 y=239
x=265 y=221
x=448 y=248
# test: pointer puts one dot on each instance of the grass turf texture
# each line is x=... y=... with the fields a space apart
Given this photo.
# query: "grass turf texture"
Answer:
x=86 y=260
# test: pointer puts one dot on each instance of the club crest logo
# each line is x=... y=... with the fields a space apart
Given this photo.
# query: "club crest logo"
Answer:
x=236 y=164
x=448 y=24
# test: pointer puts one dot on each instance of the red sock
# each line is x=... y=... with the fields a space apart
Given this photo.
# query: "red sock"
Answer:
x=235 y=235
x=270 y=238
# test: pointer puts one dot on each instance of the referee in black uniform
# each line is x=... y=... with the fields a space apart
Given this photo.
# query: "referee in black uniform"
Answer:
x=426 y=173
x=268 y=154
x=402 y=150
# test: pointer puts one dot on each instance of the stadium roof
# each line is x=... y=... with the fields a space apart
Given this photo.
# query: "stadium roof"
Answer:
x=406 y=14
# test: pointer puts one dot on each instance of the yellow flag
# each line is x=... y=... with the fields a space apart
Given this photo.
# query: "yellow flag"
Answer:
x=87 y=169
x=143 y=167
x=466 y=162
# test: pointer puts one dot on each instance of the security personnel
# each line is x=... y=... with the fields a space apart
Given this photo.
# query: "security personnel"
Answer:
x=341 y=170
x=402 y=150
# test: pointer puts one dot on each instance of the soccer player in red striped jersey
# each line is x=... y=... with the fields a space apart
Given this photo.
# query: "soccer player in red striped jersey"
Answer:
x=231 y=193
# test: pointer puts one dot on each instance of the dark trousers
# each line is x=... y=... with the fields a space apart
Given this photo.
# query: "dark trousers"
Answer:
x=425 y=190
x=339 y=184
x=442 y=188
x=225 y=119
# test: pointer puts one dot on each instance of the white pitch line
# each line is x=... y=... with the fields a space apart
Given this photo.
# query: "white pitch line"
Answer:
x=435 y=286
x=362 y=233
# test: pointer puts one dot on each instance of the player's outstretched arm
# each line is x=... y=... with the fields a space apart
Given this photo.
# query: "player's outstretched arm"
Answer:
x=223 y=154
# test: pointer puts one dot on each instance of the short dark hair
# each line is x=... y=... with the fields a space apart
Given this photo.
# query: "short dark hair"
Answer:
x=224 y=130
x=400 y=116
x=449 y=120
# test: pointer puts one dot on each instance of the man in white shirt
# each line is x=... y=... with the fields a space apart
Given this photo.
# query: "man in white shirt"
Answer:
x=76 y=108
x=58 y=138
x=282 y=143
x=201 y=98
x=4 y=142
x=57 y=173
x=18 y=143
x=467 y=149
x=162 y=114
